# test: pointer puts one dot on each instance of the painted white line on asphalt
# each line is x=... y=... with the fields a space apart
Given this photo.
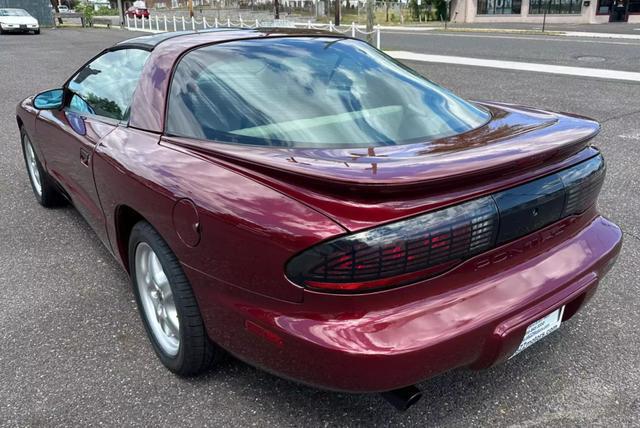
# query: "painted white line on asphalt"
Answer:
x=635 y=136
x=405 y=29
x=598 y=73
x=601 y=35
x=524 y=37
x=524 y=32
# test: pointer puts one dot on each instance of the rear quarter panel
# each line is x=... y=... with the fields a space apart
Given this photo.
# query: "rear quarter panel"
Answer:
x=247 y=231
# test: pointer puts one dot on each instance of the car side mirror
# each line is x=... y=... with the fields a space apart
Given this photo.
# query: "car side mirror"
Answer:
x=49 y=100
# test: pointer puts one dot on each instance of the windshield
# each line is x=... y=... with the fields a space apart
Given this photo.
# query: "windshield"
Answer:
x=310 y=92
x=13 y=12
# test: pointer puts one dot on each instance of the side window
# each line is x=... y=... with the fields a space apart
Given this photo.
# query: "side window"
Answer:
x=105 y=87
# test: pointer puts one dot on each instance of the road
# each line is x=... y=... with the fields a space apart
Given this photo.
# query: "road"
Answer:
x=74 y=351
x=611 y=54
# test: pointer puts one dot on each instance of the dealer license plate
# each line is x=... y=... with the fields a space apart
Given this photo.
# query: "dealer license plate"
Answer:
x=540 y=329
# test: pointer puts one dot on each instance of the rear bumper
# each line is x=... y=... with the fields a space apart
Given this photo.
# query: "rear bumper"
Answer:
x=475 y=315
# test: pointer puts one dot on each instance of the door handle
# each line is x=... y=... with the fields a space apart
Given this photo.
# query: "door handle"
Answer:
x=85 y=155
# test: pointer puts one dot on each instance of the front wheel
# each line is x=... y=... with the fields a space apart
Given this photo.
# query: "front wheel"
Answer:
x=43 y=186
x=37 y=32
x=167 y=305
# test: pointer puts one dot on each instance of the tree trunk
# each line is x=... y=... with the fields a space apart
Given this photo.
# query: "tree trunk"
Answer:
x=370 y=4
x=337 y=19
x=276 y=5
x=54 y=3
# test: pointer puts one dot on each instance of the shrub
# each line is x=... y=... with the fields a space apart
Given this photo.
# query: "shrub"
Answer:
x=106 y=11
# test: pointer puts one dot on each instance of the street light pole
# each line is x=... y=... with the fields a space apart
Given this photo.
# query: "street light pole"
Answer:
x=446 y=12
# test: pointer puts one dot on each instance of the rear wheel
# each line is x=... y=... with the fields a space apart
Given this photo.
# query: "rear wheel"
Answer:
x=167 y=305
x=44 y=188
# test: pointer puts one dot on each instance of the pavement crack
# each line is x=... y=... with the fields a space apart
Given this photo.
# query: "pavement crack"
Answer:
x=620 y=116
x=631 y=235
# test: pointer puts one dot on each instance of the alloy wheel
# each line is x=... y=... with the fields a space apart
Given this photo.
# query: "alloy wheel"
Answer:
x=157 y=299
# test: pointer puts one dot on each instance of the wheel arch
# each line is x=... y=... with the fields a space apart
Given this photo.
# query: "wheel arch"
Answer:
x=125 y=217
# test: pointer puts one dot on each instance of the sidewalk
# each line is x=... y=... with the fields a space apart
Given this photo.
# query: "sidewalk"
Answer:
x=609 y=28
x=611 y=31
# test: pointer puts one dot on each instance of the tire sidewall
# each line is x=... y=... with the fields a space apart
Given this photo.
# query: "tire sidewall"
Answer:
x=144 y=234
x=23 y=142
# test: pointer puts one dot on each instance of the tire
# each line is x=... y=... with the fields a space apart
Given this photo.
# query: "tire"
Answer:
x=174 y=299
x=44 y=187
x=37 y=32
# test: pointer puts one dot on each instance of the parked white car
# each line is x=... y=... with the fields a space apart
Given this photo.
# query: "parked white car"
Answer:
x=63 y=9
x=18 y=20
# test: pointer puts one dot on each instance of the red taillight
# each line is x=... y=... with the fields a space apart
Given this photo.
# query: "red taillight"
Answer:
x=430 y=244
x=398 y=253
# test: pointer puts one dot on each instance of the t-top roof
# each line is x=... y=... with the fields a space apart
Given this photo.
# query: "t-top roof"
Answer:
x=221 y=34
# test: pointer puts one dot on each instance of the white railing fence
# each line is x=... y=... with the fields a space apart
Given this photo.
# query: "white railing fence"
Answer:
x=162 y=24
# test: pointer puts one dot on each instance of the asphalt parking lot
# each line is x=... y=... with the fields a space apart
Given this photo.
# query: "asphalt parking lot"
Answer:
x=74 y=351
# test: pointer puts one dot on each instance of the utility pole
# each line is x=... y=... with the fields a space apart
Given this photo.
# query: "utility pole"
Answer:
x=337 y=17
x=544 y=17
x=121 y=13
x=370 y=4
x=276 y=5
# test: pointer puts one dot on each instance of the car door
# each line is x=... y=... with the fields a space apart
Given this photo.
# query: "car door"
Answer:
x=97 y=101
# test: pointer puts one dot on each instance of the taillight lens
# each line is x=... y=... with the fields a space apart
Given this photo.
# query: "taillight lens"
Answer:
x=582 y=184
x=432 y=243
x=399 y=252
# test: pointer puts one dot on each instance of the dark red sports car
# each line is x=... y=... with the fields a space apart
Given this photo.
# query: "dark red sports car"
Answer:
x=138 y=12
x=317 y=209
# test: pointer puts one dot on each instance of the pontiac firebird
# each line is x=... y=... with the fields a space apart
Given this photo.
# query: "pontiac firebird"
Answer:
x=315 y=208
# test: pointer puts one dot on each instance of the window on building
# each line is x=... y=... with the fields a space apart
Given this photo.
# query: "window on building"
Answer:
x=538 y=7
x=604 y=7
x=499 y=7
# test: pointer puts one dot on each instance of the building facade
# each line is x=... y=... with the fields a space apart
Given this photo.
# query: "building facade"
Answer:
x=558 y=11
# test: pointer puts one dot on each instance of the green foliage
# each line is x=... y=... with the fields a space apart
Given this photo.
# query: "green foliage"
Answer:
x=103 y=11
x=103 y=106
x=86 y=10
x=427 y=10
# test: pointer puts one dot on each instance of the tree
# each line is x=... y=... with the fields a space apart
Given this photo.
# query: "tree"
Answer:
x=370 y=19
x=54 y=3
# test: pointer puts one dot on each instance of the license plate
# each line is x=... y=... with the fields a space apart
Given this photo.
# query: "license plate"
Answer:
x=540 y=329
x=23 y=26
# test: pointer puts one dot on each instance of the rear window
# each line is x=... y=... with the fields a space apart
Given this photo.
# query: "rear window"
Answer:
x=309 y=92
